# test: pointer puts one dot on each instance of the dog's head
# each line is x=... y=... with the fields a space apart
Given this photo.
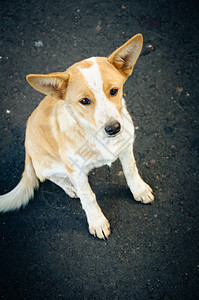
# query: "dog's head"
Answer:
x=93 y=88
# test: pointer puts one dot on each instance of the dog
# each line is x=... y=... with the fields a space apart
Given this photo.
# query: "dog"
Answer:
x=81 y=124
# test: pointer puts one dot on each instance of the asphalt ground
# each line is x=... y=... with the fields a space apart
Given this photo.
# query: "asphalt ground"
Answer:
x=46 y=251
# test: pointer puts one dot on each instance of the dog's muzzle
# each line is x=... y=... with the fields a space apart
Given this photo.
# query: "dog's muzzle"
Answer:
x=113 y=128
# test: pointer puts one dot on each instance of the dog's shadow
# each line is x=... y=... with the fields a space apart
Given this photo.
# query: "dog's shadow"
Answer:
x=107 y=195
x=113 y=199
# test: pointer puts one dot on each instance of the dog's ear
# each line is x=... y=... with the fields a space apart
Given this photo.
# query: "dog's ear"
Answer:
x=54 y=84
x=125 y=57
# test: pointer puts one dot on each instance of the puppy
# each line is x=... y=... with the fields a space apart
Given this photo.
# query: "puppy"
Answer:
x=81 y=124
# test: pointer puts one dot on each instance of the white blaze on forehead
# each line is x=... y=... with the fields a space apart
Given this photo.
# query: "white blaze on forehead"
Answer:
x=105 y=110
x=92 y=76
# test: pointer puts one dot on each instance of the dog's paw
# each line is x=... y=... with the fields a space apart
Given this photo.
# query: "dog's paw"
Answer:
x=71 y=193
x=143 y=193
x=100 y=227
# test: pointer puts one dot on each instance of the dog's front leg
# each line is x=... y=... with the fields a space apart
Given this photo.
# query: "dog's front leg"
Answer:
x=98 y=224
x=140 y=190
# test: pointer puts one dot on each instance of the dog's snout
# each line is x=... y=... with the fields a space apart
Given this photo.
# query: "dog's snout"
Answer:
x=113 y=128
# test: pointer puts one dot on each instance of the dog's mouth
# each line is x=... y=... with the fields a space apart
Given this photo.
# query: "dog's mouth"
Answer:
x=113 y=135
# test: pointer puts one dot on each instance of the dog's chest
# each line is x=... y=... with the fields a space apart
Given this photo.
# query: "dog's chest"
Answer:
x=100 y=151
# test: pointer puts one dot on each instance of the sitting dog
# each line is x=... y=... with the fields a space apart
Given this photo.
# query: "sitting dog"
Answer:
x=81 y=124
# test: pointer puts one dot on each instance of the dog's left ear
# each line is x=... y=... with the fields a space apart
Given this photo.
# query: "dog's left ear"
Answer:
x=54 y=84
x=125 y=57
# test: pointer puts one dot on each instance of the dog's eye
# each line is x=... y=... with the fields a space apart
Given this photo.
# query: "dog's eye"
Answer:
x=85 y=101
x=113 y=92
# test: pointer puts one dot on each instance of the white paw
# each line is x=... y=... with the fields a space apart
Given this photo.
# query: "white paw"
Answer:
x=99 y=227
x=71 y=193
x=143 y=193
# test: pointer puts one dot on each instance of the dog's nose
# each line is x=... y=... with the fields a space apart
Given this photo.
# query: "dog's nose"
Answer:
x=113 y=128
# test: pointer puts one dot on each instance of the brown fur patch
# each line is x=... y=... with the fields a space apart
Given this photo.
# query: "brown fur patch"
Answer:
x=112 y=78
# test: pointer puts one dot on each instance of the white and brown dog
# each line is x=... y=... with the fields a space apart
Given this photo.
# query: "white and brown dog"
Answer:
x=81 y=124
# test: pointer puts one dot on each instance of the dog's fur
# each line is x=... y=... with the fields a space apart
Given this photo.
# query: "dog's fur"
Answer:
x=81 y=124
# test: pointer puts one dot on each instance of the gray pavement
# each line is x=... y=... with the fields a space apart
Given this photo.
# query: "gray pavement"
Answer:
x=46 y=251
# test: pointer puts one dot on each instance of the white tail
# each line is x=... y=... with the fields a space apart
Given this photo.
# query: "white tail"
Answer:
x=23 y=192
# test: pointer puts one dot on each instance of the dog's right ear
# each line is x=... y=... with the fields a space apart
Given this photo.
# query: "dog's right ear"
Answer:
x=54 y=84
x=125 y=57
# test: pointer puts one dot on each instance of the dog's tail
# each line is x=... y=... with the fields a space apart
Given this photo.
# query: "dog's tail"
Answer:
x=23 y=192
